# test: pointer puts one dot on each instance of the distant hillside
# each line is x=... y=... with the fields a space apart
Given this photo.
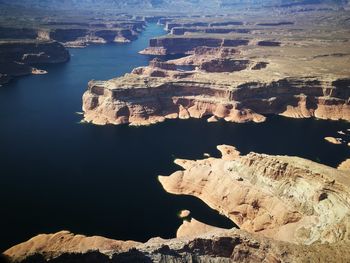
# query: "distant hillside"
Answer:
x=150 y=4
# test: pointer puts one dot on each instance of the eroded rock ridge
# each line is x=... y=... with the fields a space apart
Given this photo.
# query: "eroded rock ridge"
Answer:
x=236 y=76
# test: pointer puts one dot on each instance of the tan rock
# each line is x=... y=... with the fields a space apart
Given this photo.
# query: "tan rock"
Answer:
x=213 y=119
x=53 y=245
x=281 y=197
x=195 y=228
x=299 y=70
x=285 y=198
x=143 y=100
x=183 y=113
x=345 y=166
x=288 y=209
x=228 y=152
x=36 y=71
x=184 y=213
x=333 y=140
x=216 y=245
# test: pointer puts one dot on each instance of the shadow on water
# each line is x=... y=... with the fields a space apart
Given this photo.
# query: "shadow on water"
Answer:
x=57 y=174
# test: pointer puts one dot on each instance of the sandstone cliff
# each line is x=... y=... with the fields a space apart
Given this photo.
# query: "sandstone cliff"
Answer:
x=163 y=94
x=280 y=67
x=289 y=210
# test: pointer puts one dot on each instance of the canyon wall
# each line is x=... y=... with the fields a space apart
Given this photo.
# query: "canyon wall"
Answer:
x=151 y=100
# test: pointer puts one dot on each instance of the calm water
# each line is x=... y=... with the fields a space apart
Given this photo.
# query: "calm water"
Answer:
x=57 y=174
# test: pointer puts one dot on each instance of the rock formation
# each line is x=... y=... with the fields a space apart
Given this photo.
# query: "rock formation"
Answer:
x=235 y=77
x=185 y=45
x=163 y=94
x=77 y=34
x=193 y=228
x=184 y=213
x=288 y=209
x=18 y=56
x=284 y=198
x=42 y=40
x=333 y=140
x=345 y=166
x=66 y=242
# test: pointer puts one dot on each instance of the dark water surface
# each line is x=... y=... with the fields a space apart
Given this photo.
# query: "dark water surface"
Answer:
x=56 y=174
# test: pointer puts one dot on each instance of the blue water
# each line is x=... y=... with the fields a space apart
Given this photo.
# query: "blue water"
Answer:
x=57 y=174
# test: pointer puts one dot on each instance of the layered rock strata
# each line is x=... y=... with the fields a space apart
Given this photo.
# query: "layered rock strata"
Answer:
x=83 y=37
x=165 y=94
x=185 y=45
x=284 y=198
x=291 y=71
x=27 y=42
x=289 y=210
x=83 y=32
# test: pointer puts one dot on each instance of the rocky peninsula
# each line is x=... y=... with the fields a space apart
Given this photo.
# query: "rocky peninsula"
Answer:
x=288 y=209
x=17 y=57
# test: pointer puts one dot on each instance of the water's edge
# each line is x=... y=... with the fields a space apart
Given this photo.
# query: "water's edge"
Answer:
x=58 y=174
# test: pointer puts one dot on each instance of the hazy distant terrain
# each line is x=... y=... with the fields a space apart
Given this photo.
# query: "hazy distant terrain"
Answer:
x=110 y=4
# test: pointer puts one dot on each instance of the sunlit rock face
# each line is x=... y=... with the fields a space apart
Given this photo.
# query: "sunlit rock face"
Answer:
x=288 y=209
x=153 y=94
x=284 y=198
